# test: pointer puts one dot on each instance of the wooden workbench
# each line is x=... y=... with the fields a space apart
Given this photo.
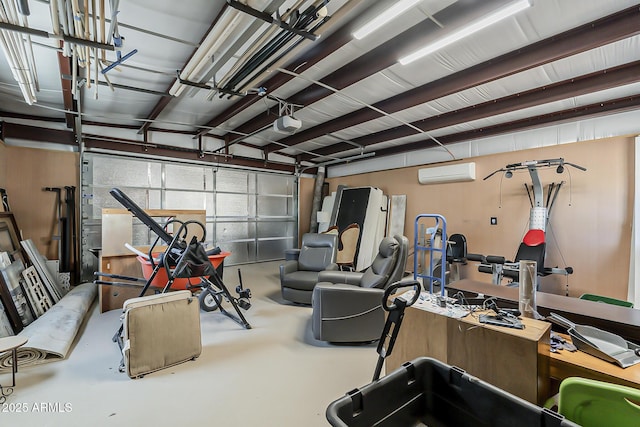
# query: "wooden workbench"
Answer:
x=565 y=364
x=515 y=360
x=619 y=320
x=518 y=361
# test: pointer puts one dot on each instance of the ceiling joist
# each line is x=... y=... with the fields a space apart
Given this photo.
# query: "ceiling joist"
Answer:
x=351 y=96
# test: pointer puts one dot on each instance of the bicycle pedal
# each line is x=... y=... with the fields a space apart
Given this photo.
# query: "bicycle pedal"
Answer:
x=244 y=304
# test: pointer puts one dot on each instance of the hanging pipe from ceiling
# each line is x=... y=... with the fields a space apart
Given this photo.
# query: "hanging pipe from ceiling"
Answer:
x=262 y=40
x=24 y=12
x=55 y=19
x=103 y=29
x=23 y=7
x=75 y=24
x=270 y=19
x=235 y=47
x=68 y=13
x=258 y=58
x=295 y=50
x=86 y=36
x=75 y=34
x=202 y=56
x=78 y=24
x=15 y=49
x=305 y=19
x=94 y=21
x=59 y=22
x=275 y=60
x=201 y=60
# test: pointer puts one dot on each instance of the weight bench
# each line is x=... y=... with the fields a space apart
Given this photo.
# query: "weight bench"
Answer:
x=533 y=248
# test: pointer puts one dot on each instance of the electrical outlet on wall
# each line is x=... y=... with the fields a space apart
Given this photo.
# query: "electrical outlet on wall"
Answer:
x=494 y=220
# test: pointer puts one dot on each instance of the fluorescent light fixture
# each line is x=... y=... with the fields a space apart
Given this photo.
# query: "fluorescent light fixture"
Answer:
x=472 y=28
x=397 y=9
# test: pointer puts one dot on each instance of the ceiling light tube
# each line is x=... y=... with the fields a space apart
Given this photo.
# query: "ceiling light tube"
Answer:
x=466 y=31
x=397 y=9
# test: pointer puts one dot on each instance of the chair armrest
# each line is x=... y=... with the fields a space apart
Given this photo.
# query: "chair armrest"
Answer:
x=288 y=267
x=342 y=299
x=291 y=254
x=345 y=277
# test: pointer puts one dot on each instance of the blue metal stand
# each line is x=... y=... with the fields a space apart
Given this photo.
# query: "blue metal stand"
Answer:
x=428 y=248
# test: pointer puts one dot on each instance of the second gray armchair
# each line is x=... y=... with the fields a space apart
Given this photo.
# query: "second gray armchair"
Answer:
x=299 y=276
x=347 y=305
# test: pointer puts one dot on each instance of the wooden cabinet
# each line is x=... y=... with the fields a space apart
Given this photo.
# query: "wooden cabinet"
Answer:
x=515 y=360
x=112 y=297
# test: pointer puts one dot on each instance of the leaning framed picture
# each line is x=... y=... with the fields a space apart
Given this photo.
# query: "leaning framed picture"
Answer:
x=6 y=330
x=10 y=309
x=10 y=237
x=11 y=278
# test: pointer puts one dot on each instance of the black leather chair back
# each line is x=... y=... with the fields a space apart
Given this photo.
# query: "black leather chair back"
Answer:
x=403 y=253
x=388 y=266
x=532 y=253
x=457 y=248
x=380 y=269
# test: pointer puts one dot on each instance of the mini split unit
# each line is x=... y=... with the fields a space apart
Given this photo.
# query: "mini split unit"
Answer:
x=286 y=124
x=450 y=173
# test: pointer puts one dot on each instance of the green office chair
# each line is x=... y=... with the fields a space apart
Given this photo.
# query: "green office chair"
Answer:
x=607 y=300
x=593 y=403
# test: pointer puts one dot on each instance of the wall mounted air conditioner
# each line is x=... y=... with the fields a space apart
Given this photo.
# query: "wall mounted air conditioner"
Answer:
x=449 y=173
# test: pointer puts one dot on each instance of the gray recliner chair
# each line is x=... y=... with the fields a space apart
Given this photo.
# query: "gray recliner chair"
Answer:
x=298 y=277
x=347 y=306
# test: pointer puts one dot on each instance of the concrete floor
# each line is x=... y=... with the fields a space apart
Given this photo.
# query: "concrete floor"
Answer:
x=274 y=374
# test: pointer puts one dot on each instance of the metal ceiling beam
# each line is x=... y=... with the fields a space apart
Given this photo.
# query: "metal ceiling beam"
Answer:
x=164 y=101
x=8 y=114
x=379 y=58
x=242 y=39
x=229 y=142
x=133 y=127
x=70 y=104
x=316 y=52
x=186 y=154
x=124 y=87
x=39 y=33
x=618 y=105
x=38 y=134
x=593 y=82
x=266 y=17
x=67 y=137
x=598 y=33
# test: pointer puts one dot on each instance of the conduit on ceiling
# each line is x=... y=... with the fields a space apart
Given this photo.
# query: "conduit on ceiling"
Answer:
x=256 y=54
x=81 y=29
x=18 y=49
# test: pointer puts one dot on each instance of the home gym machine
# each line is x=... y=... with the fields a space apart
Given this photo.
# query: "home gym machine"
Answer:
x=533 y=245
x=181 y=259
